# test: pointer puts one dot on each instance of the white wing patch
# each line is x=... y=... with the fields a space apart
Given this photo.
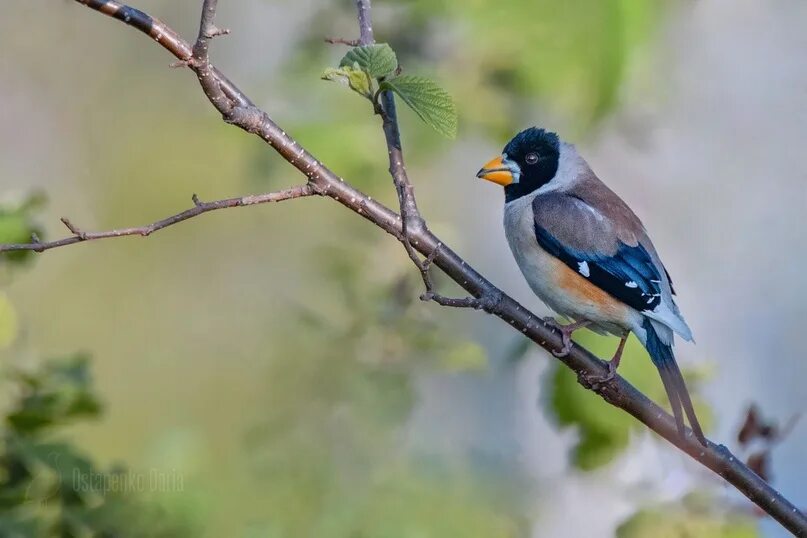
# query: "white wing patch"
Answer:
x=631 y=284
x=583 y=268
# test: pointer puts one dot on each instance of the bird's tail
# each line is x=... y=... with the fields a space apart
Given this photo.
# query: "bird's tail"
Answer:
x=662 y=356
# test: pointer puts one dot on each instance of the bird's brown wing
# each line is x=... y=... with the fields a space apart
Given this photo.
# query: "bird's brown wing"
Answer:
x=600 y=248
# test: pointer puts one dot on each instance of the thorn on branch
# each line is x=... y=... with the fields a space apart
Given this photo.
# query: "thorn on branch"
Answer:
x=214 y=31
x=196 y=200
x=73 y=229
x=343 y=41
x=181 y=63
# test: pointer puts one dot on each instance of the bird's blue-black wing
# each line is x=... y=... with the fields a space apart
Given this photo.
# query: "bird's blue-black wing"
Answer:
x=629 y=275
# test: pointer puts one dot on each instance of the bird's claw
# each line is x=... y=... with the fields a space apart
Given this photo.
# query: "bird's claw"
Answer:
x=601 y=379
x=567 y=344
x=565 y=334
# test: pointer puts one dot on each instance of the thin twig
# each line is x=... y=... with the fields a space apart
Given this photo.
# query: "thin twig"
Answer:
x=412 y=222
x=207 y=31
x=343 y=41
x=617 y=392
x=200 y=61
x=199 y=207
x=487 y=302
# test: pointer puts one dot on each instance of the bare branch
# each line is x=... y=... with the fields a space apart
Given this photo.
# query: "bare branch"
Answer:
x=240 y=111
x=200 y=60
x=412 y=222
x=207 y=31
x=198 y=208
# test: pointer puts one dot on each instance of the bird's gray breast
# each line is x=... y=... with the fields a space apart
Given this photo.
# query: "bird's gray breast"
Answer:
x=537 y=265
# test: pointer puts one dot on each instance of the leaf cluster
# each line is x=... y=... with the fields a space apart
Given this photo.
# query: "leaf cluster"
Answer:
x=370 y=70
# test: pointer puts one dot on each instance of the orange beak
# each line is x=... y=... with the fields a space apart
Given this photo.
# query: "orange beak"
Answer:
x=497 y=172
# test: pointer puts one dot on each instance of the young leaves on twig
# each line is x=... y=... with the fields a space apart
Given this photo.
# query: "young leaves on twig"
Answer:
x=353 y=77
x=378 y=61
x=371 y=69
x=429 y=101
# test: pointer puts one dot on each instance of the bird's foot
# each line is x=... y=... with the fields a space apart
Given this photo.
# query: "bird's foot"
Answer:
x=600 y=379
x=613 y=364
x=566 y=332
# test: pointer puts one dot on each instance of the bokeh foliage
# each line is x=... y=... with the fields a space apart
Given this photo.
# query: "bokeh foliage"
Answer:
x=331 y=452
x=569 y=57
x=49 y=487
x=698 y=515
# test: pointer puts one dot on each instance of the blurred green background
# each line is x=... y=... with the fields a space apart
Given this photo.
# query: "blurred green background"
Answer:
x=269 y=371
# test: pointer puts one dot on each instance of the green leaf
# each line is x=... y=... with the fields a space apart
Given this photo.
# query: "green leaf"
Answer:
x=353 y=77
x=432 y=103
x=378 y=60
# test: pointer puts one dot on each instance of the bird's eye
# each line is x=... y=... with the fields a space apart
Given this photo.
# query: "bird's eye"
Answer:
x=531 y=158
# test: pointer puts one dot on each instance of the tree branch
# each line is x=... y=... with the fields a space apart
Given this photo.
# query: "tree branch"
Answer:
x=238 y=110
x=198 y=208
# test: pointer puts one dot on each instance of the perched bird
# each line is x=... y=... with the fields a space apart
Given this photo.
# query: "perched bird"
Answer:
x=588 y=256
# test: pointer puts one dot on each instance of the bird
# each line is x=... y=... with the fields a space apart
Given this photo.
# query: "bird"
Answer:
x=588 y=257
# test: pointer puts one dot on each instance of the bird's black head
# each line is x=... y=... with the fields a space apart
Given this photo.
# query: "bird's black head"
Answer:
x=528 y=161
